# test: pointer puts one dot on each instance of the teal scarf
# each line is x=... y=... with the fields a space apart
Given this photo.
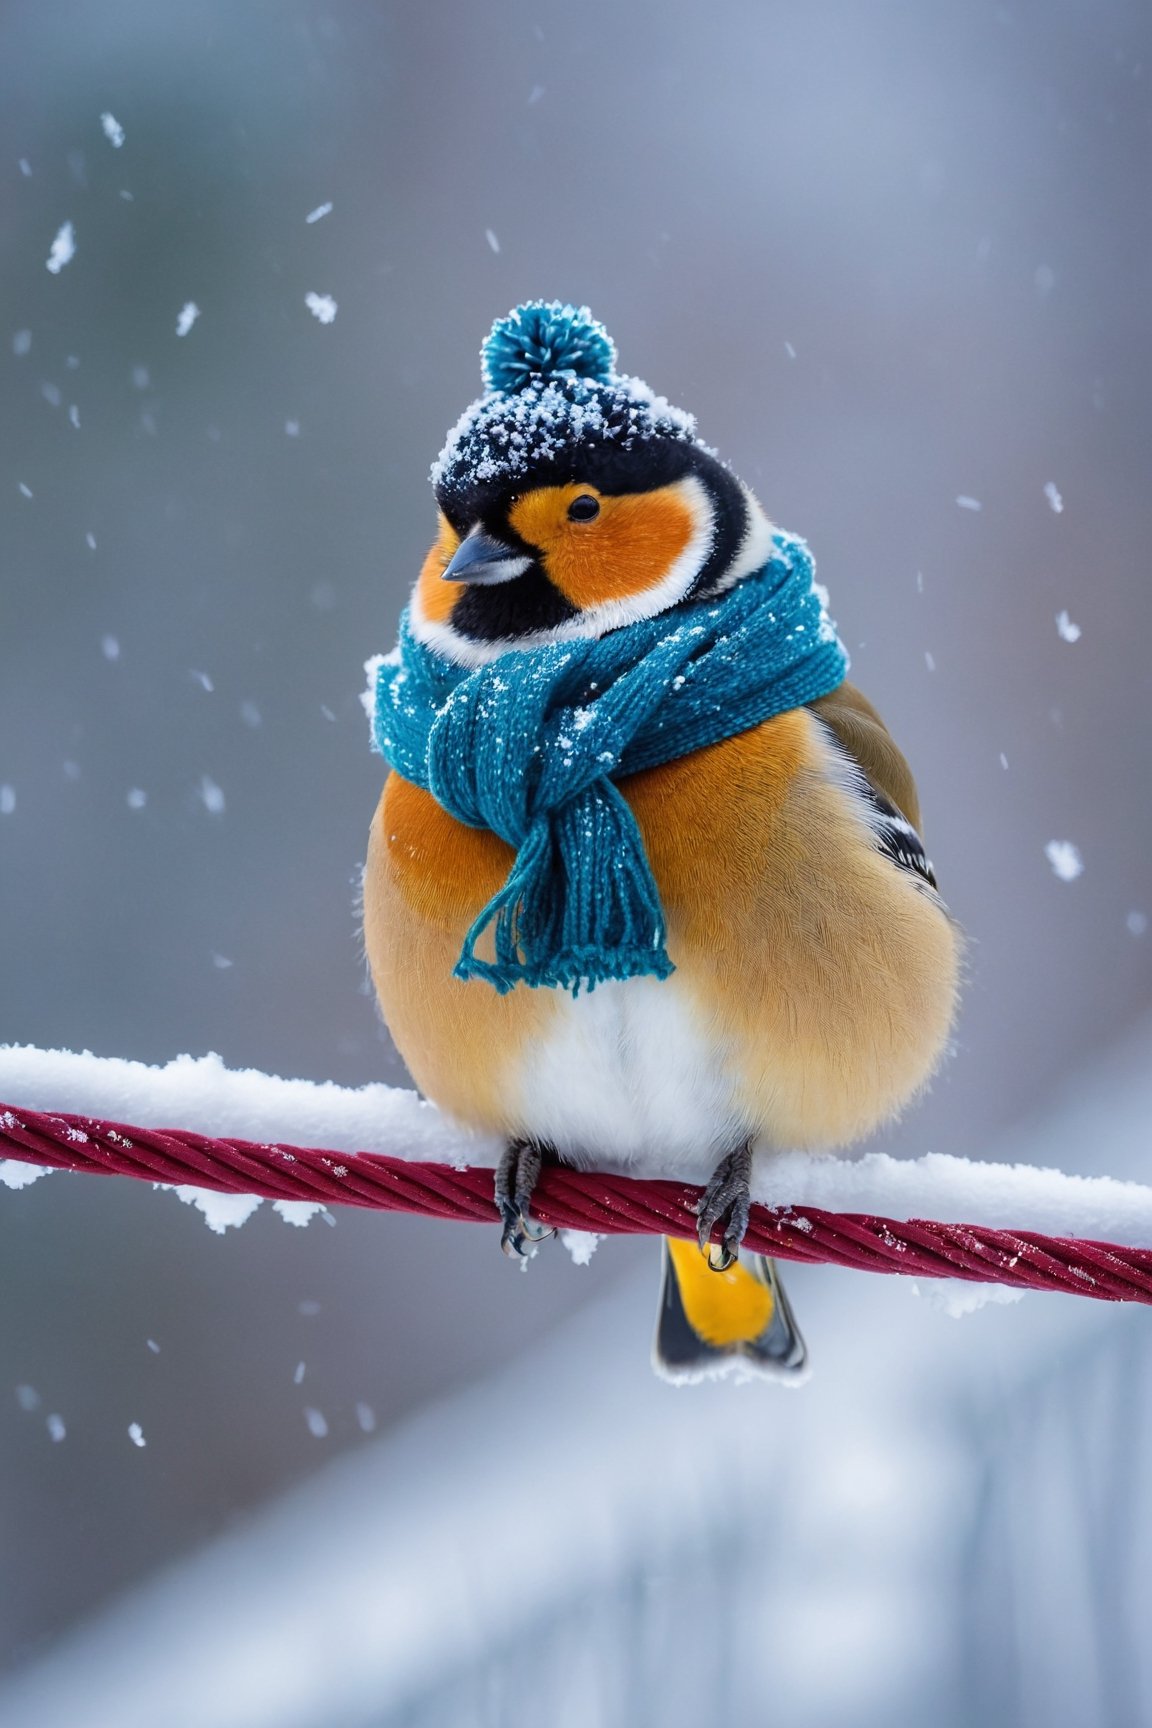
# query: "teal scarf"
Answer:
x=533 y=745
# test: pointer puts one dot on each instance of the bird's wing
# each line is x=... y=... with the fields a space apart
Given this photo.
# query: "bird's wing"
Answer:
x=886 y=779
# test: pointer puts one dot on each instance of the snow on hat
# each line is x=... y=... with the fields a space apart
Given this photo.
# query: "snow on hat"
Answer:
x=550 y=382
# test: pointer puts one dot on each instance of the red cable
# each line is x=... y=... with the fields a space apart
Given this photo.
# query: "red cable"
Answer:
x=575 y=1200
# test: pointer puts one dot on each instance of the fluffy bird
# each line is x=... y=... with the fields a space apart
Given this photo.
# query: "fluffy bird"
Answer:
x=645 y=888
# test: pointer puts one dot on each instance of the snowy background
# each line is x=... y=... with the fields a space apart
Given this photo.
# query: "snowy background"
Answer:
x=896 y=259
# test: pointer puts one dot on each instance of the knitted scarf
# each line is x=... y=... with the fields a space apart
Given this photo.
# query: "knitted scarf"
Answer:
x=533 y=746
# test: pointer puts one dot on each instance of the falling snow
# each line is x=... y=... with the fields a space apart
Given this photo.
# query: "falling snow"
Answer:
x=317 y=1424
x=491 y=239
x=1069 y=632
x=212 y=796
x=7 y=800
x=22 y=343
x=321 y=306
x=113 y=130
x=63 y=248
x=1065 y=859
x=136 y=1434
x=1137 y=923
x=110 y=647
x=967 y=503
x=186 y=317
x=56 y=1428
x=1052 y=493
x=320 y=211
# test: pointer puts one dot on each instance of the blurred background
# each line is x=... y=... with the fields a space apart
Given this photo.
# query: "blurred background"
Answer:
x=896 y=259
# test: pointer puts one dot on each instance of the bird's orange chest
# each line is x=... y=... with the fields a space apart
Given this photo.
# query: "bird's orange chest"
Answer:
x=445 y=870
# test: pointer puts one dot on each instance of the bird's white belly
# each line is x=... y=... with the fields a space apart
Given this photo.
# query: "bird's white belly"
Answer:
x=632 y=1077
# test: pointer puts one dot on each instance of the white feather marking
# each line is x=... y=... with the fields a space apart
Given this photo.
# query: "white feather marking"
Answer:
x=632 y=1071
x=754 y=550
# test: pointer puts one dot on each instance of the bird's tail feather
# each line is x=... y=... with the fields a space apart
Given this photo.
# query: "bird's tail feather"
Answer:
x=712 y=1323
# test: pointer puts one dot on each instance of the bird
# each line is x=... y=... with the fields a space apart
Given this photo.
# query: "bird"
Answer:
x=646 y=887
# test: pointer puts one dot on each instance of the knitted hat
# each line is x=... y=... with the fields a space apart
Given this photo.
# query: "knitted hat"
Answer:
x=550 y=383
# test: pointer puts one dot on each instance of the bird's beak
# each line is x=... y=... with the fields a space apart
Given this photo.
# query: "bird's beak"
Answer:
x=481 y=560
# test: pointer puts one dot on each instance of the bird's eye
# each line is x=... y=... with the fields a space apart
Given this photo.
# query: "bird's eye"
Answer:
x=583 y=509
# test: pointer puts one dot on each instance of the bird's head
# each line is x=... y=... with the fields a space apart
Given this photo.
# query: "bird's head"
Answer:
x=572 y=500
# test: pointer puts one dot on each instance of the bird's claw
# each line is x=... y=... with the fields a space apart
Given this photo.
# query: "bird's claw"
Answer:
x=516 y=1178
x=724 y=1204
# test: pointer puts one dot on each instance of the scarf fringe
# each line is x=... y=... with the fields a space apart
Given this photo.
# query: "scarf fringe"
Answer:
x=571 y=970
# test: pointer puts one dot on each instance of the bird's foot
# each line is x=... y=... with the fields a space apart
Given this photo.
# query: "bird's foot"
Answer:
x=516 y=1177
x=725 y=1203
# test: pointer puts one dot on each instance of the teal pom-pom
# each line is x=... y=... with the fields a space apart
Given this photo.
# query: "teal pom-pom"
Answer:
x=546 y=339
